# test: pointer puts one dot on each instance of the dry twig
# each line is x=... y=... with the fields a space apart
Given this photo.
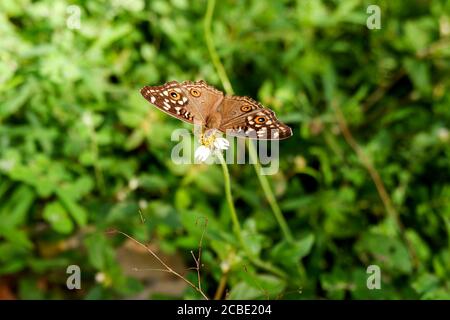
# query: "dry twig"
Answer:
x=167 y=268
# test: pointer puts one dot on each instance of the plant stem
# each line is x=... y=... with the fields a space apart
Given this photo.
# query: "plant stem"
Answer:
x=212 y=51
x=269 y=194
x=97 y=170
x=229 y=196
x=237 y=226
x=376 y=178
x=229 y=90
x=221 y=287
x=166 y=266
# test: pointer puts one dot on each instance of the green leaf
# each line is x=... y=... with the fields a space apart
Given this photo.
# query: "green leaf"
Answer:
x=290 y=253
x=15 y=209
x=420 y=75
x=29 y=289
x=262 y=286
x=425 y=283
x=77 y=212
x=272 y=285
x=154 y=183
x=243 y=291
x=182 y=199
x=100 y=252
x=56 y=215
x=388 y=252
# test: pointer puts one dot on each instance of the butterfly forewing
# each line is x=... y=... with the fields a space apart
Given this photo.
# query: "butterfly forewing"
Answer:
x=170 y=99
x=188 y=101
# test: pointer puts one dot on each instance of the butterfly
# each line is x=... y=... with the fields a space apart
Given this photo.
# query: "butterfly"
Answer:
x=199 y=103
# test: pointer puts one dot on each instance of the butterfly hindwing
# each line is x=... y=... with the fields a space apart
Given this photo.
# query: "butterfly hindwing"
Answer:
x=234 y=106
x=246 y=117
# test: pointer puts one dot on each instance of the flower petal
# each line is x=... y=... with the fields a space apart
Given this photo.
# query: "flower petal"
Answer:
x=221 y=144
x=202 y=153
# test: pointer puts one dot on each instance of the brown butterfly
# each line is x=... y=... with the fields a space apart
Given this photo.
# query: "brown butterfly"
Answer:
x=197 y=102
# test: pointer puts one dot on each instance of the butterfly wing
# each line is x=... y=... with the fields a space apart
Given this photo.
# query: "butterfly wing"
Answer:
x=187 y=101
x=245 y=117
x=197 y=102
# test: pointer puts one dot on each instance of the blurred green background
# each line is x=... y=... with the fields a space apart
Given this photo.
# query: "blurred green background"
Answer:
x=365 y=180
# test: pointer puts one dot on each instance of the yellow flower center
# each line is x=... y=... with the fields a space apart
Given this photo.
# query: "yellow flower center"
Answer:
x=207 y=141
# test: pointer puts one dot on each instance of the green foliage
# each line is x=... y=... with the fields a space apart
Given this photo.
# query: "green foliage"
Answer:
x=82 y=152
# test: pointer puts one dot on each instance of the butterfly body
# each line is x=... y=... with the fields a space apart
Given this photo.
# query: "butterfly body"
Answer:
x=199 y=103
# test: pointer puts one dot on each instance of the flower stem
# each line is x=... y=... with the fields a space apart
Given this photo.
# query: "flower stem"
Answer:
x=97 y=170
x=229 y=196
x=212 y=51
x=269 y=194
x=237 y=226
x=221 y=287
x=229 y=90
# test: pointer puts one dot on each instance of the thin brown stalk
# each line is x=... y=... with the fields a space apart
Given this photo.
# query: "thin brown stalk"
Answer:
x=380 y=92
x=151 y=269
x=142 y=216
x=222 y=285
x=168 y=268
x=263 y=291
x=199 y=257
x=376 y=178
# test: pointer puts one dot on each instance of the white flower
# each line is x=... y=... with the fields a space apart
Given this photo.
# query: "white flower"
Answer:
x=210 y=144
x=225 y=266
x=87 y=119
x=100 y=277
x=202 y=153
x=443 y=134
x=133 y=184
x=121 y=195
x=6 y=165
x=143 y=204
x=221 y=144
